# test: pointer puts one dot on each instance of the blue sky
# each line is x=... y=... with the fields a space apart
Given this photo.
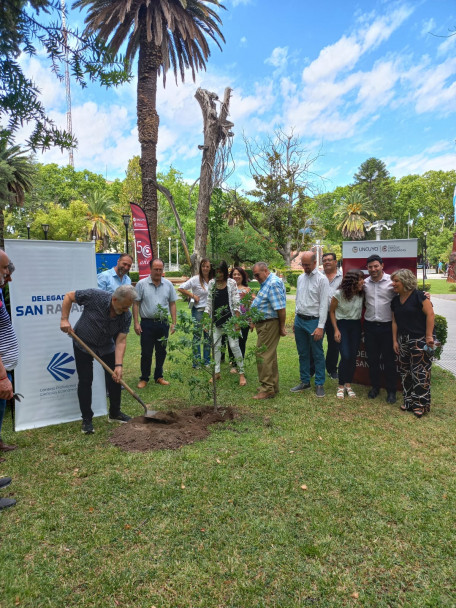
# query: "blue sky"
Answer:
x=353 y=79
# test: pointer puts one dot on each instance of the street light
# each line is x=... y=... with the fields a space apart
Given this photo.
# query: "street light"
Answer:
x=378 y=227
x=169 y=243
x=45 y=228
x=126 y=221
x=158 y=249
x=28 y=230
x=177 y=253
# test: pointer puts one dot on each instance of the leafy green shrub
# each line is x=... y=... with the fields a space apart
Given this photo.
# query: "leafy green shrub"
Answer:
x=173 y=273
x=185 y=270
x=292 y=277
x=287 y=288
x=452 y=288
x=134 y=276
x=441 y=332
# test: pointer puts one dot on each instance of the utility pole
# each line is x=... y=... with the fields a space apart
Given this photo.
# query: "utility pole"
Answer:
x=67 y=82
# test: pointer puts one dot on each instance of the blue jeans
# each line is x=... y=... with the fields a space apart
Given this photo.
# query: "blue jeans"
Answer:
x=197 y=316
x=3 y=406
x=305 y=343
x=350 y=332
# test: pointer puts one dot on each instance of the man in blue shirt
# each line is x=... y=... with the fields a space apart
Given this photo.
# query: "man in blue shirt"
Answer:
x=111 y=279
x=271 y=301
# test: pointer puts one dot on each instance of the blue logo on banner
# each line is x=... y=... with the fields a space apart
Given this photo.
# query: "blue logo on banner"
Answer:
x=58 y=366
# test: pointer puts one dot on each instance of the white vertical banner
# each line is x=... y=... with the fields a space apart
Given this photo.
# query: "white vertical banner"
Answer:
x=46 y=373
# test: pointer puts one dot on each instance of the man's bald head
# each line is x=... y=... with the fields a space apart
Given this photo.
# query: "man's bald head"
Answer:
x=4 y=261
x=308 y=261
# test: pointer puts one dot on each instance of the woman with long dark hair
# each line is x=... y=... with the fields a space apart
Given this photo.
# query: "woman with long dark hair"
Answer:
x=239 y=275
x=223 y=303
x=196 y=289
x=345 y=313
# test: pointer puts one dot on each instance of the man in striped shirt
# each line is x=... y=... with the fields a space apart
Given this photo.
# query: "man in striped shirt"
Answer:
x=8 y=360
x=271 y=301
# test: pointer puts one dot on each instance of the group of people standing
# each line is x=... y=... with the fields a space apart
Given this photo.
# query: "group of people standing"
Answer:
x=398 y=320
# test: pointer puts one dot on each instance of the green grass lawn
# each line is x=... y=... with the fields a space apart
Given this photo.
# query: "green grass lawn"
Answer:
x=225 y=522
x=438 y=286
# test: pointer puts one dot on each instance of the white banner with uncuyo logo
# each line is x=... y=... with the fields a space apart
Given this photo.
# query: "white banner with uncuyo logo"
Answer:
x=46 y=374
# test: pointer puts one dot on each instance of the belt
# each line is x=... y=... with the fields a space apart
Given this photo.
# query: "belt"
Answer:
x=307 y=317
x=378 y=322
x=267 y=320
x=155 y=320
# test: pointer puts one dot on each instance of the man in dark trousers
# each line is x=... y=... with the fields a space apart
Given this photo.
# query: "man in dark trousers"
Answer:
x=378 y=336
x=156 y=298
x=103 y=326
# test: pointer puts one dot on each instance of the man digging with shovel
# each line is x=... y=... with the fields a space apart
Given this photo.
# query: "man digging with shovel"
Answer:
x=104 y=317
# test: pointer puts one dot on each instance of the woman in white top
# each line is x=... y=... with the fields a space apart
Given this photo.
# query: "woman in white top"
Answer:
x=345 y=312
x=222 y=304
x=196 y=289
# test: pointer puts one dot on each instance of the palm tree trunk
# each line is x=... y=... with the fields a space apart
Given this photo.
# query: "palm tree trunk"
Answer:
x=148 y=121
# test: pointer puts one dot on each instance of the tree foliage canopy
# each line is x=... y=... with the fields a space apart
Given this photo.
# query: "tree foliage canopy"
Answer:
x=29 y=26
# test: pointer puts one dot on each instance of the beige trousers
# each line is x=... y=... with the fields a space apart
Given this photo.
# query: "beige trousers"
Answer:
x=268 y=336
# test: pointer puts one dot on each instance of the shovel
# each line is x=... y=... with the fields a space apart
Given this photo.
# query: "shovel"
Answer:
x=147 y=413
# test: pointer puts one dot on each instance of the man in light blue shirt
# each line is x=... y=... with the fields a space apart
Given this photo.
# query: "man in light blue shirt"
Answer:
x=111 y=279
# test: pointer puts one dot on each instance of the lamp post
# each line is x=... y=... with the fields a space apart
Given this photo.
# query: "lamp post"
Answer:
x=158 y=249
x=424 y=257
x=28 y=230
x=126 y=221
x=378 y=227
x=177 y=253
x=169 y=246
x=45 y=228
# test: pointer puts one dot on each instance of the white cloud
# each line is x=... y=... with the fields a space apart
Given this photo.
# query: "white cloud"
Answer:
x=420 y=163
x=243 y=41
x=278 y=57
x=332 y=59
x=428 y=27
x=434 y=89
x=448 y=45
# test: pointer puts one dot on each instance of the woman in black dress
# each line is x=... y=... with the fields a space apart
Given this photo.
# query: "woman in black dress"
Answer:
x=413 y=341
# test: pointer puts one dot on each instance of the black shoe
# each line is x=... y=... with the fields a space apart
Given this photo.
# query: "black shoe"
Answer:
x=300 y=387
x=334 y=375
x=5 y=481
x=121 y=417
x=319 y=390
x=7 y=502
x=373 y=393
x=87 y=427
x=391 y=397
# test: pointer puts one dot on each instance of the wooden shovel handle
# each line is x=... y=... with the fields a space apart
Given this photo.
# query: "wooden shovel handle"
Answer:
x=106 y=367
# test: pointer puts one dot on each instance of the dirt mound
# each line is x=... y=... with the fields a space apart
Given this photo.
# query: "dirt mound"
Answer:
x=173 y=430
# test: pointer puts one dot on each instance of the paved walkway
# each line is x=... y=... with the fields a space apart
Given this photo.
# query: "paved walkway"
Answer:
x=445 y=305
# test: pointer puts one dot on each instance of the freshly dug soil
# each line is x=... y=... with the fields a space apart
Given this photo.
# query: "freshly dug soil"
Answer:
x=172 y=431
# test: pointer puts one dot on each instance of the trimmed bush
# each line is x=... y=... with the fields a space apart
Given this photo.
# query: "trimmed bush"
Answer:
x=134 y=276
x=292 y=277
x=441 y=332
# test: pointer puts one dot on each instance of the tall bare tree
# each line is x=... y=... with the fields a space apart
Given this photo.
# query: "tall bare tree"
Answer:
x=216 y=162
x=280 y=168
x=164 y=34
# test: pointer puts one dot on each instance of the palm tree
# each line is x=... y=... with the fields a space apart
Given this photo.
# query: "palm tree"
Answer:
x=16 y=172
x=164 y=33
x=352 y=211
x=101 y=216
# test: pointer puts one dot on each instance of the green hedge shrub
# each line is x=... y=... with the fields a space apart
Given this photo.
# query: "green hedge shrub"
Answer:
x=134 y=276
x=441 y=332
x=292 y=276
